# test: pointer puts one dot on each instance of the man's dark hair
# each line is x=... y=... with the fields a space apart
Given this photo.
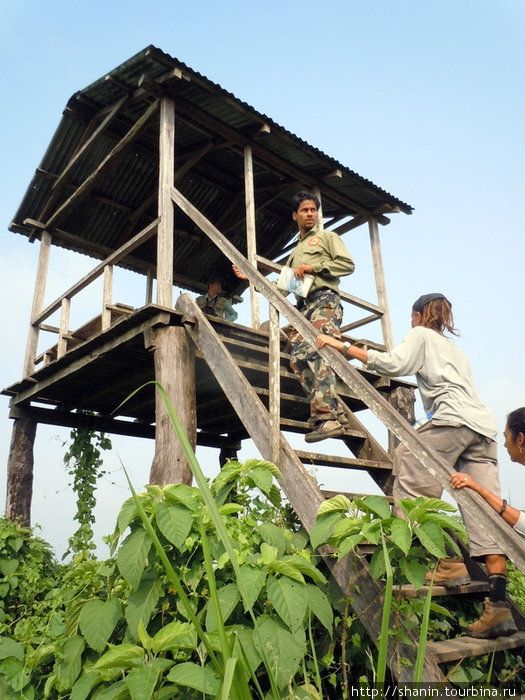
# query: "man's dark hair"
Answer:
x=302 y=196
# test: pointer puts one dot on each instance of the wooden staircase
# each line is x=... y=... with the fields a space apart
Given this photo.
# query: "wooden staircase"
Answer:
x=242 y=370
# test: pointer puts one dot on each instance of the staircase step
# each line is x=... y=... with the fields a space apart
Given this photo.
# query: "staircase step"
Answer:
x=409 y=591
x=352 y=496
x=464 y=647
x=344 y=462
x=299 y=426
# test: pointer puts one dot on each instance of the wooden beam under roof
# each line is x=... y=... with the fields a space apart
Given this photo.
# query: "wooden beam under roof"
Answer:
x=108 y=162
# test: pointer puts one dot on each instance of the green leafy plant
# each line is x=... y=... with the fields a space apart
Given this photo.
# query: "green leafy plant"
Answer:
x=83 y=463
x=404 y=547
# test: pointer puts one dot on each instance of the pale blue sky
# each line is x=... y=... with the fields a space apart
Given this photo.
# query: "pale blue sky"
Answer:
x=426 y=99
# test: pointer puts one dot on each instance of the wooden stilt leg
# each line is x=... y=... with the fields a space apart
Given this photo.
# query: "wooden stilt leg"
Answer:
x=175 y=371
x=20 y=471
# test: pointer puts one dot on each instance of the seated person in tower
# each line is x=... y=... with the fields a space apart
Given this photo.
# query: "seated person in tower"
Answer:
x=215 y=302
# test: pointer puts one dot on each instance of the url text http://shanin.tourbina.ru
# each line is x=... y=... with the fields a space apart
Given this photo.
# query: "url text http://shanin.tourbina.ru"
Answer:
x=427 y=690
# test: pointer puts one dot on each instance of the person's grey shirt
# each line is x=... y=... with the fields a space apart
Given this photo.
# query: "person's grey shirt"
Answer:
x=443 y=377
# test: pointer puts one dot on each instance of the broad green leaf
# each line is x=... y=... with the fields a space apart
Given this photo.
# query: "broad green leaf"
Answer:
x=174 y=522
x=97 y=621
x=378 y=505
x=142 y=681
x=349 y=544
x=401 y=534
x=268 y=553
x=274 y=496
x=262 y=478
x=414 y=572
x=132 y=556
x=188 y=496
x=444 y=521
x=122 y=656
x=372 y=531
x=288 y=597
x=338 y=503
x=228 y=596
x=282 y=649
x=229 y=508
x=15 y=672
x=15 y=543
x=141 y=604
x=9 y=647
x=451 y=545
x=201 y=678
x=344 y=528
x=84 y=685
x=431 y=537
x=68 y=669
x=144 y=637
x=8 y=566
x=253 y=579
x=251 y=464
x=127 y=514
x=422 y=506
x=116 y=691
x=274 y=536
x=285 y=569
x=306 y=692
x=323 y=528
x=228 y=474
x=305 y=567
x=377 y=563
x=174 y=635
x=244 y=647
x=319 y=605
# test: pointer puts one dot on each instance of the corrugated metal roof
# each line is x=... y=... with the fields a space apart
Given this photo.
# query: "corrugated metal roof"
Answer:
x=212 y=128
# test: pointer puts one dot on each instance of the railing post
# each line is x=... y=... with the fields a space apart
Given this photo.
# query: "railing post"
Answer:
x=64 y=327
x=107 y=297
x=38 y=302
x=382 y=298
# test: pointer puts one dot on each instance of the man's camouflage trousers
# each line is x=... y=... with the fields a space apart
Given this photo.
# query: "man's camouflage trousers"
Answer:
x=317 y=378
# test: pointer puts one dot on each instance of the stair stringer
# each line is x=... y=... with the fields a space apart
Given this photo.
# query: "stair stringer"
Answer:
x=505 y=537
x=351 y=572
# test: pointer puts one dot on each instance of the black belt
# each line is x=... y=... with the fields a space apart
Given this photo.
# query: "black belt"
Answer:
x=301 y=303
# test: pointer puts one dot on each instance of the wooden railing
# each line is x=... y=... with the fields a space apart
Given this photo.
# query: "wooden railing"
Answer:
x=63 y=302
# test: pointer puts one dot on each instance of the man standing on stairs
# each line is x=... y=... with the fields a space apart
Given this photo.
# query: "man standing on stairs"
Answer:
x=322 y=254
x=461 y=430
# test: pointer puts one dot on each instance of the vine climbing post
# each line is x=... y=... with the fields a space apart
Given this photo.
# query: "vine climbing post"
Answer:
x=83 y=463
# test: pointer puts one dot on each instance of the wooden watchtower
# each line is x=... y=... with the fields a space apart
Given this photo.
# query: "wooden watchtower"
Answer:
x=155 y=169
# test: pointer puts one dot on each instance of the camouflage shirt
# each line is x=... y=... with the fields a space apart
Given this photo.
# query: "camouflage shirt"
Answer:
x=328 y=256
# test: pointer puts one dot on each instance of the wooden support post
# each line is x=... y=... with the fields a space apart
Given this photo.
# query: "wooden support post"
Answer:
x=317 y=193
x=107 y=297
x=251 y=240
x=382 y=298
x=38 y=302
x=64 y=326
x=175 y=371
x=20 y=471
x=166 y=215
x=149 y=286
